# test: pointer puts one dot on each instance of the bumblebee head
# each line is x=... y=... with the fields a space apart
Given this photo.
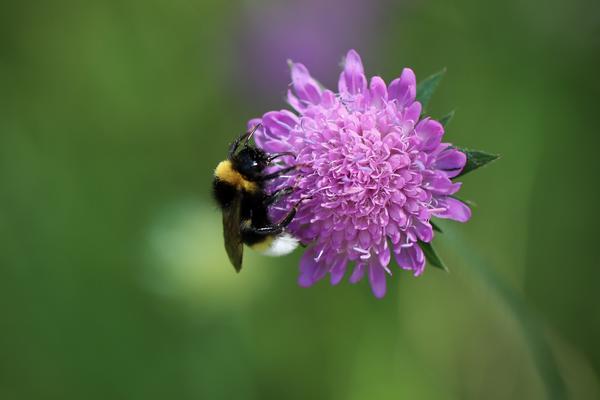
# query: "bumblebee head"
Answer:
x=250 y=162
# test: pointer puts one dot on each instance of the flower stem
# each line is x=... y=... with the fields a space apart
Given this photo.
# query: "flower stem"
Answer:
x=529 y=322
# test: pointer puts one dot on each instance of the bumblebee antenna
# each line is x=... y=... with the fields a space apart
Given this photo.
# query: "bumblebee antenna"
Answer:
x=233 y=147
x=252 y=134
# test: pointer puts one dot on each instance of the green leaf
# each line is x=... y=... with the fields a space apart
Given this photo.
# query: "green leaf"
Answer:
x=470 y=203
x=447 y=118
x=435 y=227
x=426 y=88
x=432 y=258
x=475 y=159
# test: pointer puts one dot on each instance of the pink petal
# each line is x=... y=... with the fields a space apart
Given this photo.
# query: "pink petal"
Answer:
x=397 y=214
x=328 y=98
x=294 y=101
x=455 y=209
x=279 y=123
x=358 y=273
x=393 y=232
x=377 y=280
x=404 y=89
x=384 y=255
x=451 y=161
x=352 y=79
x=413 y=112
x=338 y=270
x=424 y=231
x=364 y=239
x=272 y=146
x=399 y=161
x=308 y=266
x=430 y=133
x=411 y=258
x=439 y=183
x=378 y=91
x=305 y=86
x=320 y=272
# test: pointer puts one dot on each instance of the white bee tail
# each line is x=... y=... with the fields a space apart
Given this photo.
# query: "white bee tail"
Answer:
x=282 y=245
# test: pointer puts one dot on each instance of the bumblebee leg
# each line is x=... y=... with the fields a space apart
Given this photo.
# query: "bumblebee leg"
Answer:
x=282 y=154
x=278 y=195
x=289 y=217
x=275 y=229
x=291 y=214
x=262 y=231
x=277 y=174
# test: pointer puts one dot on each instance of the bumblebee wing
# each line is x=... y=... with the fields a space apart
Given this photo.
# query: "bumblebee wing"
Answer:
x=232 y=234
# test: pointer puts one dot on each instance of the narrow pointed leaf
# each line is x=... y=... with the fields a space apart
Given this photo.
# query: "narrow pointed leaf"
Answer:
x=435 y=227
x=475 y=159
x=447 y=118
x=426 y=88
x=470 y=203
x=432 y=258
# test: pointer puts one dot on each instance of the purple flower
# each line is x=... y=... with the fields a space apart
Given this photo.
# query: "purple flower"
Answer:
x=370 y=170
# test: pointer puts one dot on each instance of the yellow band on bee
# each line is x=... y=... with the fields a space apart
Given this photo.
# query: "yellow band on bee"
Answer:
x=227 y=173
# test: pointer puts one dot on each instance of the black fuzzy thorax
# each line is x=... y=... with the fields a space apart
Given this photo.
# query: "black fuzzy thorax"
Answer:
x=253 y=210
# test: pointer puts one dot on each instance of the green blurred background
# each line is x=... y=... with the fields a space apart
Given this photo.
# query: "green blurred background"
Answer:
x=113 y=280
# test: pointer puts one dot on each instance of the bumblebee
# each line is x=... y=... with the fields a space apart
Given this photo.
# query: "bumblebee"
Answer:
x=239 y=189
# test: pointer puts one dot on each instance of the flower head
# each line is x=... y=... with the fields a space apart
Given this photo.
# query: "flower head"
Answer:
x=372 y=173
